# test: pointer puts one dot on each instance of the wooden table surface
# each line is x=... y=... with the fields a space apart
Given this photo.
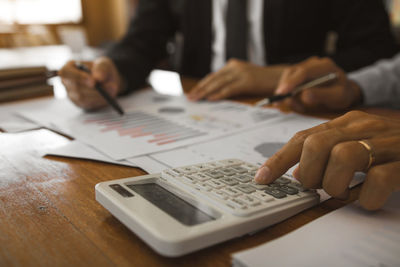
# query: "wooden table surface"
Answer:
x=49 y=216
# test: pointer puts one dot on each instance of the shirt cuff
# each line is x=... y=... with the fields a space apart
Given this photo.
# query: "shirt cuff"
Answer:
x=369 y=84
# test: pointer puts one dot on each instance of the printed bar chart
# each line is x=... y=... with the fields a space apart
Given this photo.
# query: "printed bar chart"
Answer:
x=138 y=124
x=152 y=123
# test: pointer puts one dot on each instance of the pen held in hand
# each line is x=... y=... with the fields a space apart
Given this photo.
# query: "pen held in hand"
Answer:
x=111 y=101
x=319 y=81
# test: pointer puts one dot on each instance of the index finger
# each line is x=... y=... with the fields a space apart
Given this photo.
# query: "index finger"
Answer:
x=304 y=71
x=200 y=90
x=290 y=154
x=71 y=72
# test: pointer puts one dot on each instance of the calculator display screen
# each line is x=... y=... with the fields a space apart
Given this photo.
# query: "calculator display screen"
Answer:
x=176 y=207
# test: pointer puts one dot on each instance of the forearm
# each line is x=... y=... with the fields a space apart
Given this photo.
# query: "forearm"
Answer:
x=132 y=68
x=144 y=45
x=274 y=75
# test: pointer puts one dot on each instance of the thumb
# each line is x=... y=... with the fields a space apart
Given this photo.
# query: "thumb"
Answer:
x=103 y=72
x=331 y=97
x=304 y=71
x=291 y=78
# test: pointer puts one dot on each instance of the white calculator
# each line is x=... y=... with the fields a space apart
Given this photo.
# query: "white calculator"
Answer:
x=186 y=209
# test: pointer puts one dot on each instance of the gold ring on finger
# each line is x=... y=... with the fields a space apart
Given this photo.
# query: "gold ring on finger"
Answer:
x=371 y=154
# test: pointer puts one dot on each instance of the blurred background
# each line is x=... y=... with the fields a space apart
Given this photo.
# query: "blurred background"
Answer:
x=26 y=23
x=37 y=36
x=47 y=33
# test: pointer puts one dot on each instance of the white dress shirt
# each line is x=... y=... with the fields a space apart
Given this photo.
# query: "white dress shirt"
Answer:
x=380 y=83
x=255 y=42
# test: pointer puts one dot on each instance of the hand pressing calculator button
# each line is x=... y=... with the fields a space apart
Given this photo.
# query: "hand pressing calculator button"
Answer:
x=191 y=207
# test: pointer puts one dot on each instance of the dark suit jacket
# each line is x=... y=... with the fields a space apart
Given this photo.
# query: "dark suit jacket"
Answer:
x=293 y=31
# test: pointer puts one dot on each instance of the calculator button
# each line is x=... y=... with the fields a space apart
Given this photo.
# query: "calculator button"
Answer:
x=274 y=185
x=230 y=162
x=248 y=200
x=245 y=188
x=258 y=186
x=243 y=178
x=252 y=173
x=297 y=186
x=249 y=167
x=212 y=165
x=275 y=192
x=282 y=180
x=236 y=203
x=228 y=171
x=214 y=174
x=169 y=174
x=229 y=181
x=219 y=194
x=289 y=190
x=177 y=171
x=203 y=187
x=199 y=177
x=214 y=184
x=188 y=179
x=186 y=170
x=263 y=196
x=201 y=167
x=231 y=191
x=239 y=169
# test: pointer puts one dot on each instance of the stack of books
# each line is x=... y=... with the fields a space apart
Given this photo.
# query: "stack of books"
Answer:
x=26 y=82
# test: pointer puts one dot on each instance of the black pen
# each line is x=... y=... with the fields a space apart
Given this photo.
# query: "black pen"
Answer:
x=321 y=80
x=100 y=89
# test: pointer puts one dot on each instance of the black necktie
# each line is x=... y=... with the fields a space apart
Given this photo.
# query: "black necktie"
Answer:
x=236 y=29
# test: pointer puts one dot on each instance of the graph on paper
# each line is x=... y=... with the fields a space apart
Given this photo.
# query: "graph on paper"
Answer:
x=140 y=124
x=143 y=132
x=255 y=145
x=152 y=123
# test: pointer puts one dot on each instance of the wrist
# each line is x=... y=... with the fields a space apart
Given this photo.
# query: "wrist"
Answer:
x=357 y=95
x=120 y=80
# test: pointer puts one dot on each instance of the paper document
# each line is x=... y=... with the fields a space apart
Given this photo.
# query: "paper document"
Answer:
x=76 y=149
x=254 y=145
x=152 y=123
x=349 y=236
x=11 y=122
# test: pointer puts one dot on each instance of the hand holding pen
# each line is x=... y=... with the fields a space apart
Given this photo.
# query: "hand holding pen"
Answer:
x=297 y=90
x=81 y=84
x=314 y=84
